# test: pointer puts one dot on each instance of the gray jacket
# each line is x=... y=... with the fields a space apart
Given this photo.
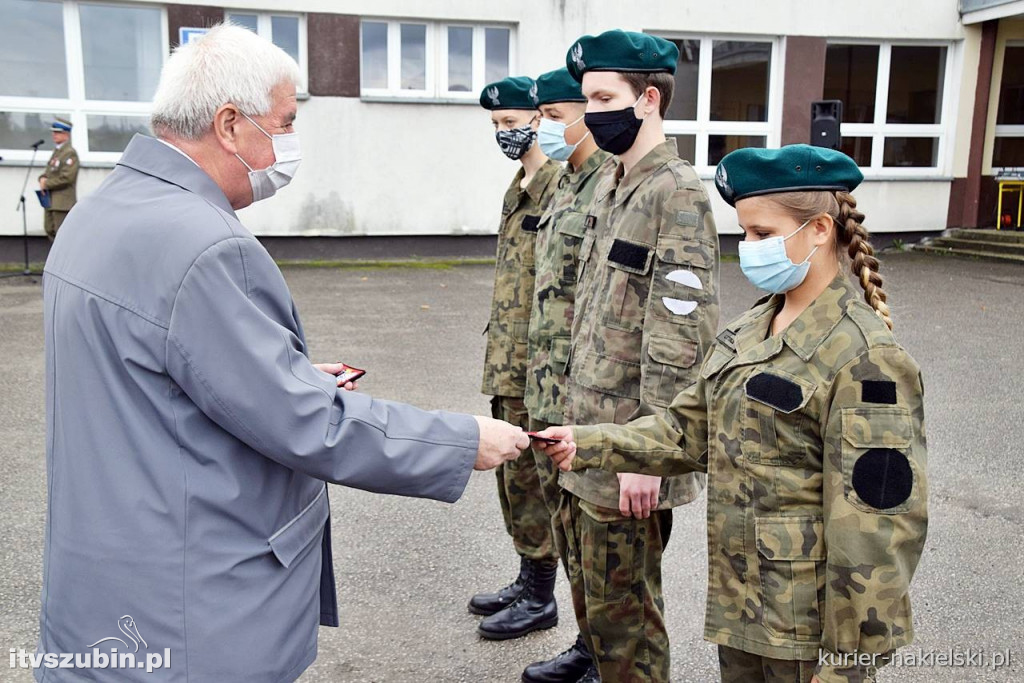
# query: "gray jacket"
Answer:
x=189 y=438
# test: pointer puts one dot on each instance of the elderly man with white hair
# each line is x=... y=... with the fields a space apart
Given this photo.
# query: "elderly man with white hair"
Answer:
x=188 y=435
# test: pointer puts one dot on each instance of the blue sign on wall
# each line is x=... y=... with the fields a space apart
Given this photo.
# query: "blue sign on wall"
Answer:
x=188 y=34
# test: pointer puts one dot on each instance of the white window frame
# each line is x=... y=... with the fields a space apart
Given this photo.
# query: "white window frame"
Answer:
x=265 y=29
x=703 y=127
x=1005 y=130
x=436 y=61
x=879 y=130
x=75 y=104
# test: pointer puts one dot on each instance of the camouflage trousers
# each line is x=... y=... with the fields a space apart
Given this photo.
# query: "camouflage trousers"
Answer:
x=743 y=667
x=52 y=221
x=614 y=565
x=548 y=474
x=526 y=515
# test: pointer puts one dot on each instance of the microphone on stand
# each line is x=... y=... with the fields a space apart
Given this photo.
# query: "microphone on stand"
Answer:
x=35 y=145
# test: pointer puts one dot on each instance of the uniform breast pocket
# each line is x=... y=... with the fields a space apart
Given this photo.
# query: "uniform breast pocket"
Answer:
x=879 y=477
x=791 y=566
x=627 y=285
x=571 y=230
x=777 y=429
x=681 y=269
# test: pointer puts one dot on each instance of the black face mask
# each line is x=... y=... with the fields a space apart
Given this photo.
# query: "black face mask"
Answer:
x=614 y=131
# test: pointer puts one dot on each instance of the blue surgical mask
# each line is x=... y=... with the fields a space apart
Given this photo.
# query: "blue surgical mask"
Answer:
x=767 y=265
x=551 y=136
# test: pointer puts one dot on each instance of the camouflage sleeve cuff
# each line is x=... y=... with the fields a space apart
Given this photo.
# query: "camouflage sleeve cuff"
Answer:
x=831 y=673
x=589 y=447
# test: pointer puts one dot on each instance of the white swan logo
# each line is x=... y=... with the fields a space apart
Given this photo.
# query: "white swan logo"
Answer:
x=127 y=626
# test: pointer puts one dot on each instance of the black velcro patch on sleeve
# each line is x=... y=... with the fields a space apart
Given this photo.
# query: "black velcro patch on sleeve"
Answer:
x=629 y=255
x=531 y=223
x=882 y=477
x=777 y=392
x=878 y=391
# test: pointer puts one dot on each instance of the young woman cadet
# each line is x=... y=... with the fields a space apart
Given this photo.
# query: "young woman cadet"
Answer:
x=808 y=418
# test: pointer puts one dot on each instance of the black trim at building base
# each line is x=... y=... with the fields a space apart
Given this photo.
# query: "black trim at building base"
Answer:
x=400 y=248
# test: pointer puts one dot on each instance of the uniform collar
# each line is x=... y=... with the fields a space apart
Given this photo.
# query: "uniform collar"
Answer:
x=575 y=178
x=804 y=335
x=147 y=155
x=540 y=180
x=625 y=184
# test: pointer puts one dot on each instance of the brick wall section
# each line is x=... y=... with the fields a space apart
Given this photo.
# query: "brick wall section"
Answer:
x=804 y=83
x=192 y=16
x=972 y=200
x=333 y=54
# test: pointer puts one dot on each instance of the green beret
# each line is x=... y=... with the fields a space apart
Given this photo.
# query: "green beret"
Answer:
x=619 y=50
x=794 y=168
x=514 y=92
x=558 y=86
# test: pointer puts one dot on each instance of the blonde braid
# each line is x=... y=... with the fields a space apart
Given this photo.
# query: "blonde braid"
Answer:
x=862 y=254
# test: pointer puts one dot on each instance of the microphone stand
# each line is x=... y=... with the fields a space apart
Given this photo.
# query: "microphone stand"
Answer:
x=27 y=272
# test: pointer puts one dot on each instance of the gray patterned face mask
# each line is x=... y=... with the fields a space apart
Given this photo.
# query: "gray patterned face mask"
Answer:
x=516 y=142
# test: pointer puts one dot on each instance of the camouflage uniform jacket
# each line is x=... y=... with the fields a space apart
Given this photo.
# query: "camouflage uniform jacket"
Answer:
x=505 y=358
x=61 y=176
x=814 y=445
x=631 y=354
x=562 y=230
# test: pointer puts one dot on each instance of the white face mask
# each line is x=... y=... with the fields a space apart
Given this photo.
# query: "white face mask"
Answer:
x=287 y=155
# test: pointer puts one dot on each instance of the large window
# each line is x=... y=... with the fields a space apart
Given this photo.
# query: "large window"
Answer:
x=95 y=63
x=424 y=60
x=287 y=31
x=726 y=95
x=1008 y=151
x=895 y=104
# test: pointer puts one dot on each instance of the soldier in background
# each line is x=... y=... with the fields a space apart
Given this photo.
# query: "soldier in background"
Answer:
x=563 y=136
x=809 y=419
x=528 y=603
x=646 y=312
x=60 y=178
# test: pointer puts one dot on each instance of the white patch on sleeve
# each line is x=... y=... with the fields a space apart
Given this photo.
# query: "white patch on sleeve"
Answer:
x=678 y=306
x=686 y=278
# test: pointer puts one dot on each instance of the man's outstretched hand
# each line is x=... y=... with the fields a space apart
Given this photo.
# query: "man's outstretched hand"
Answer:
x=562 y=452
x=499 y=442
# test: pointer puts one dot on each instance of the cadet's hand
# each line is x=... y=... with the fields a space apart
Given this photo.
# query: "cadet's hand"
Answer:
x=562 y=452
x=42 y=183
x=499 y=442
x=638 y=495
x=334 y=369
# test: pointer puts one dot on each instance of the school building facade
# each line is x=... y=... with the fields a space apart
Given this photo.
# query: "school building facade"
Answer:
x=395 y=144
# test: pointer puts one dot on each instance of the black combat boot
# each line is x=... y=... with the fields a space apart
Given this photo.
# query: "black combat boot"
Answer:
x=592 y=676
x=566 y=667
x=534 y=609
x=489 y=603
